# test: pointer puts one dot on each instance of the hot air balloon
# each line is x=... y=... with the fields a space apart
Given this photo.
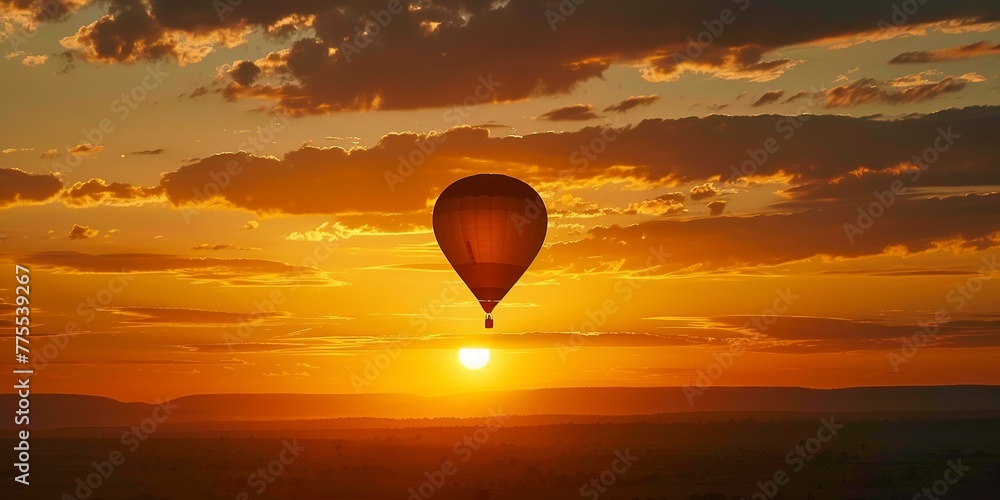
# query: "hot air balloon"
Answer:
x=490 y=227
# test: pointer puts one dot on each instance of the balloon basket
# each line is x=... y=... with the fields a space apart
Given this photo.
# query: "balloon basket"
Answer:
x=489 y=321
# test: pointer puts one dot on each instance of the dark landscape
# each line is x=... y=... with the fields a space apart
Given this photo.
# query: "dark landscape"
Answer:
x=203 y=450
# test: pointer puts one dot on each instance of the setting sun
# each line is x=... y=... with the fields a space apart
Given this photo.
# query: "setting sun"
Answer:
x=473 y=359
x=723 y=248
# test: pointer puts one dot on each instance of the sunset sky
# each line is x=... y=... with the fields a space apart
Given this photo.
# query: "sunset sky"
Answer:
x=236 y=196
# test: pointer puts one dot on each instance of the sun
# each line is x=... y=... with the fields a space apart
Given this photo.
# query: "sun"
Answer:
x=473 y=359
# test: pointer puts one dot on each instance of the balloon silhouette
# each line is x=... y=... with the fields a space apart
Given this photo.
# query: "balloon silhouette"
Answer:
x=490 y=227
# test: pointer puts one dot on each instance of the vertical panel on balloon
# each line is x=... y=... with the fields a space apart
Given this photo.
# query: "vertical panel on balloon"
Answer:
x=511 y=206
x=470 y=243
x=498 y=227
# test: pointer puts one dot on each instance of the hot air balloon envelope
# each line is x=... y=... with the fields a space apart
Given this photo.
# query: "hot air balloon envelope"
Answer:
x=490 y=227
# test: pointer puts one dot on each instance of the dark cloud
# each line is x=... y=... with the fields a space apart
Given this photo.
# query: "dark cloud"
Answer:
x=132 y=32
x=200 y=91
x=798 y=95
x=245 y=73
x=148 y=152
x=128 y=33
x=446 y=47
x=978 y=49
x=18 y=186
x=769 y=98
x=631 y=103
x=492 y=126
x=787 y=335
x=717 y=207
x=574 y=112
x=905 y=90
x=911 y=225
x=336 y=181
x=257 y=272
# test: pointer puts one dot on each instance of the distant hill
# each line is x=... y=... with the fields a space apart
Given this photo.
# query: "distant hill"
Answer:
x=50 y=411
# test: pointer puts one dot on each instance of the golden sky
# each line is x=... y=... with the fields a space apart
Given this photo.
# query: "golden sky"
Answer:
x=223 y=198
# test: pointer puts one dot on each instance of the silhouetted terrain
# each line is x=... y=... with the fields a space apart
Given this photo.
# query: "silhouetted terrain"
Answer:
x=229 y=447
x=59 y=410
x=868 y=458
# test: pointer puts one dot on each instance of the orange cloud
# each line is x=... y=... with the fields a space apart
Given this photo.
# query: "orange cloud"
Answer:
x=226 y=246
x=98 y=192
x=744 y=62
x=85 y=149
x=703 y=191
x=35 y=60
x=82 y=232
x=667 y=204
